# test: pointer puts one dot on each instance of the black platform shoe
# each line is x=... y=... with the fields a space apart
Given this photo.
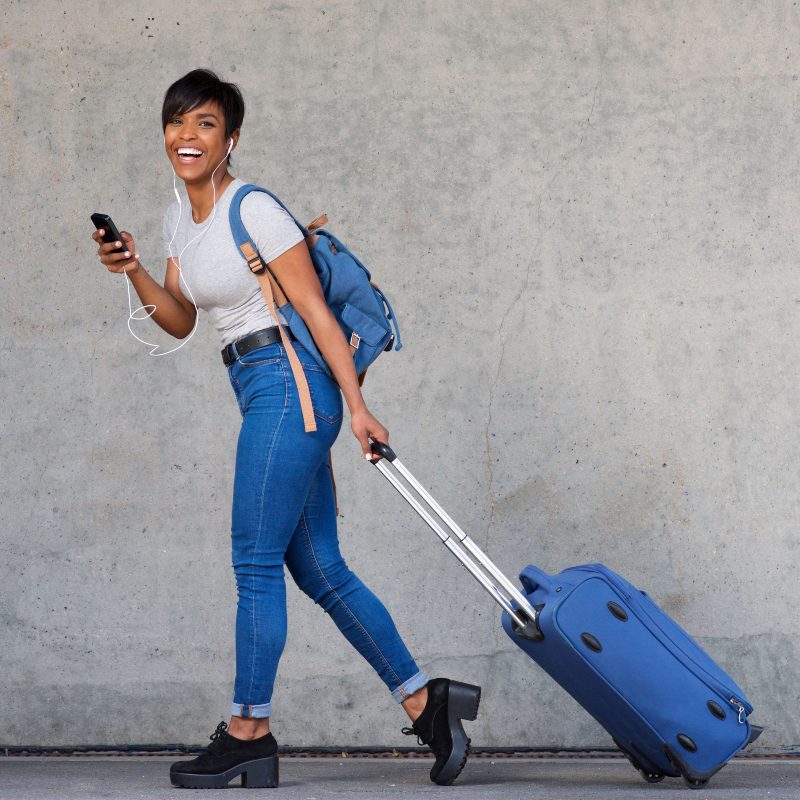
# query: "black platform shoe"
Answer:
x=439 y=726
x=226 y=757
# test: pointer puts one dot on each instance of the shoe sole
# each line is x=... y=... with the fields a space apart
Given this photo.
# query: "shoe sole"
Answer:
x=261 y=773
x=463 y=700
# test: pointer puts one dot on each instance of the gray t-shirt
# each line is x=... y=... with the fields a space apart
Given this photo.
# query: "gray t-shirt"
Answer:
x=213 y=268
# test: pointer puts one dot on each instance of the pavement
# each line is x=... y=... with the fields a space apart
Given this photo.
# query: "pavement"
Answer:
x=343 y=778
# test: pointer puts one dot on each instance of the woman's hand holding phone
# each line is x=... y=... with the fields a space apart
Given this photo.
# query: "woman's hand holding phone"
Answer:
x=125 y=261
x=117 y=249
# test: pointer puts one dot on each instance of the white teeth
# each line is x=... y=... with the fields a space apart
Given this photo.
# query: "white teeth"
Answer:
x=189 y=151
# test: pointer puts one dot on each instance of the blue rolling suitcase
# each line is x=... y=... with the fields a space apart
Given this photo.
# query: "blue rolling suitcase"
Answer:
x=667 y=706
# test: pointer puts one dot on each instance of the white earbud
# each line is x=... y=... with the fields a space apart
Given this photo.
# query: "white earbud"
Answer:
x=230 y=146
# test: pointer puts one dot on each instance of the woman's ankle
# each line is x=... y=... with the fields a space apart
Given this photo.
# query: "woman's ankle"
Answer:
x=247 y=728
x=415 y=704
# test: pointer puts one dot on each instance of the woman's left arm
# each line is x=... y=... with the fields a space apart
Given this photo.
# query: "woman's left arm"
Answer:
x=299 y=281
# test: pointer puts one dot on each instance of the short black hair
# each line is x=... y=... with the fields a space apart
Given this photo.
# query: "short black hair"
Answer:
x=201 y=86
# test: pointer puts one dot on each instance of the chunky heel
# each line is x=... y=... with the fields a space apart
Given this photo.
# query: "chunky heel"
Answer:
x=261 y=774
x=463 y=700
x=439 y=726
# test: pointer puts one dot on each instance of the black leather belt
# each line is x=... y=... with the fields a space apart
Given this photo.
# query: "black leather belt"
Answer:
x=252 y=341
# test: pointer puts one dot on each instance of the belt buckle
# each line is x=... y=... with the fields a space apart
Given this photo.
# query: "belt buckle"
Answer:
x=229 y=354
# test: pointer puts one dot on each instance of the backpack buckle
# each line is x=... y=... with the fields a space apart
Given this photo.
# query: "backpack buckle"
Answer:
x=256 y=265
x=252 y=258
x=355 y=340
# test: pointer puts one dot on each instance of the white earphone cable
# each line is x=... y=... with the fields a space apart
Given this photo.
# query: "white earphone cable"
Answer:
x=146 y=311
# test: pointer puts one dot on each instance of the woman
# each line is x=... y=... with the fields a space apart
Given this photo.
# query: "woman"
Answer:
x=284 y=510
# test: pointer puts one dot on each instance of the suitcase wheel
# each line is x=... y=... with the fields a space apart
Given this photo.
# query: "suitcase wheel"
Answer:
x=693 y=781
x=650 y=775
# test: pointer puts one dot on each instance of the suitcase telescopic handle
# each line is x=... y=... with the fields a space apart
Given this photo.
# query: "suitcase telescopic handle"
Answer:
x=523 y=615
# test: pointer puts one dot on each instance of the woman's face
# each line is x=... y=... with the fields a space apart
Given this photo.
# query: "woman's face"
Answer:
x=195 y=142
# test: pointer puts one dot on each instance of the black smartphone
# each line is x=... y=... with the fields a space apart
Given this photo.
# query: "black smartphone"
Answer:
x=111 y=234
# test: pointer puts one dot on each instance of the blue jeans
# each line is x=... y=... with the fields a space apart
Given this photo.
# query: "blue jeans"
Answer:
x=284 y=512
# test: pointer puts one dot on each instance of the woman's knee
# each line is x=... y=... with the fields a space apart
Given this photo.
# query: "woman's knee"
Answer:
x=255 y=574
x=324 y=584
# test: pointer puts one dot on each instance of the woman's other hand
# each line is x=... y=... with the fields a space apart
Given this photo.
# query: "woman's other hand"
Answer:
x=364 y=425
x=127 y=261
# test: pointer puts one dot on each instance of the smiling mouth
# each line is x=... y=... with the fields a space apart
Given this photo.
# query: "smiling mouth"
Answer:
x=188 y=155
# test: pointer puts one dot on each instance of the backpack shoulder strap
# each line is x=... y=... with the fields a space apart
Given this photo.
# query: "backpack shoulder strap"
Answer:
x=238 y=229
x=251 y=255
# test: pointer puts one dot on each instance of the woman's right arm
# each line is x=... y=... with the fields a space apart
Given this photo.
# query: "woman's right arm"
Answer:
x=173 y=312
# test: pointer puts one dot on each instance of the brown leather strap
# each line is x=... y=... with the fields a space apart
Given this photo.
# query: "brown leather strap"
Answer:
x=265 y=279
x=321 y=220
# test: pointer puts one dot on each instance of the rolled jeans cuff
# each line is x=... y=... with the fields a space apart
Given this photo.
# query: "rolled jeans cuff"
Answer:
x=251 y=712
x=407 y=688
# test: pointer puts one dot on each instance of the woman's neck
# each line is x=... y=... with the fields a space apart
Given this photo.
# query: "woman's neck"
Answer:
x=201 y=196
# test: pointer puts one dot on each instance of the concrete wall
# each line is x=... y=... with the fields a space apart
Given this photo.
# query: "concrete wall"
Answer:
x=586 y=215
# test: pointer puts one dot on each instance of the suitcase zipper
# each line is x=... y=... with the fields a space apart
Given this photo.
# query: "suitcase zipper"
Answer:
x=738 y=705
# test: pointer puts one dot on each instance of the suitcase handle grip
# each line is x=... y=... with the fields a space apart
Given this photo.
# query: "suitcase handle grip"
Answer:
x=383 y=450
x=532 y=578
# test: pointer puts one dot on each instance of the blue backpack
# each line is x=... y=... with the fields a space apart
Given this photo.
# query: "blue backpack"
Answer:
x=360 y=307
